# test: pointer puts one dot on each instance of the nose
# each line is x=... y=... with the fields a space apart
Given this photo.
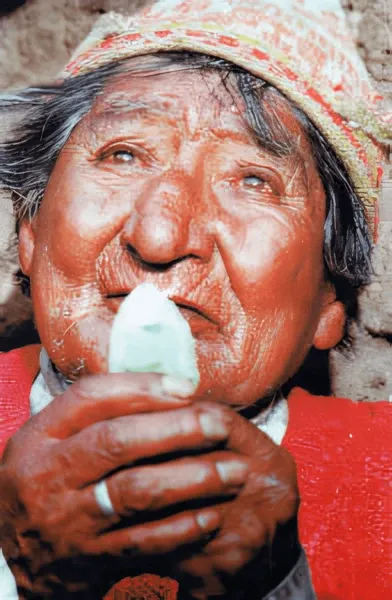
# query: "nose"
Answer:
x=168 y=223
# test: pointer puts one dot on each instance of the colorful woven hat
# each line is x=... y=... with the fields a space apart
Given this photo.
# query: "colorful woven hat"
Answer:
x=303 y=49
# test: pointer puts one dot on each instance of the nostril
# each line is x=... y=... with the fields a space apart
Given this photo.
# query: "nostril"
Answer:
x=149 y=265
x=133 y=252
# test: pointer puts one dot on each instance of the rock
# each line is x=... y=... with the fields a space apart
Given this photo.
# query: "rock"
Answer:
x=364 y=372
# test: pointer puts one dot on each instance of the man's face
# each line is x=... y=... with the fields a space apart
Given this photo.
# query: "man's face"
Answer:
x=163 y=182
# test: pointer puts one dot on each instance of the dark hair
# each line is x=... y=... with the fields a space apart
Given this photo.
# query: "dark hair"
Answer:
x=49 y=114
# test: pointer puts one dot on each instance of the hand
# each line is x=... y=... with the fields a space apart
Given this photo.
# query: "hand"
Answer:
x=55 y=537
x=257 y=544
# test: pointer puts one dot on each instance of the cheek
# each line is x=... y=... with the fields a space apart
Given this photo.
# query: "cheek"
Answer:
x=274 y=258
x=73 y=323
x=79 y=216
x=276 y=271
x=77 y=220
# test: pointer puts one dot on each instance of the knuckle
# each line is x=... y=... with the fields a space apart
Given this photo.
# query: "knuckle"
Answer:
x=277 y=476
x=82 y=388
x=65 y=459
x=34 y=504
x=255 y=537
x=215 y=408
x=231 y=561
x=213 y=419
x=136 y=492
x=208 y=473
x=108 y=442
x=135 y=543
x=25 y=489
x=187 y=421
x=183 y=426
x=87 y=387
x=281 y=491
x=253 y=529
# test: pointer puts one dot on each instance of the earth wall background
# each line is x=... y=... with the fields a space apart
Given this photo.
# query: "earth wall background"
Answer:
x=37 y=39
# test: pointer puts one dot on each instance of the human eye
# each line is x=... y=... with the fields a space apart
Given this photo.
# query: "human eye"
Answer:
x=117 y=154
x=123 y=156
x=260 y=187
x=254 y=182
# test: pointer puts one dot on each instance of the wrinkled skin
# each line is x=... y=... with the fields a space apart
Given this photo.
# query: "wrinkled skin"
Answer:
x=56 y=518
x=163 y=182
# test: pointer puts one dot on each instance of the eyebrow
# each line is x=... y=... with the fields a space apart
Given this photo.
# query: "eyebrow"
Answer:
x=120 y=104
x=117 y=104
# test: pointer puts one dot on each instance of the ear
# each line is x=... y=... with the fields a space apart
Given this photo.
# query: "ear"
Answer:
x=26 y=245
x=331 y=326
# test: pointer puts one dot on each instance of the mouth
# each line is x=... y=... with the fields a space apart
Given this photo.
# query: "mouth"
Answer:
x=114 y=301
x=198 y=319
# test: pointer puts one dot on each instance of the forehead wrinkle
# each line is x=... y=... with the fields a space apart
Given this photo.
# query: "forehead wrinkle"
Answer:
x=126 y=109
x=119 y=102
x=235 y=135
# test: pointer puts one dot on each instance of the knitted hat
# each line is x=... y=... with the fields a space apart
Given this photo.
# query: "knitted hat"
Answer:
x=303 y=49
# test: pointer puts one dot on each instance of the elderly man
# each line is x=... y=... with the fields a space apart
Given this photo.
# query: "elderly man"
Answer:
x=193 y=149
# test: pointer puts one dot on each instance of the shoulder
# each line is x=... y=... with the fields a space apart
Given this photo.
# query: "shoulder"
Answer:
x=358 y=421
x=336 y=435
x=17 y=372
x=329 y=432
x=343 y=452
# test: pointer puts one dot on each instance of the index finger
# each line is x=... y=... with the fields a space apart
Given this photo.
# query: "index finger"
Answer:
x=97 y=398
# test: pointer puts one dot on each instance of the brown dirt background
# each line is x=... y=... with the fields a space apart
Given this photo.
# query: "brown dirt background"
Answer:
x=37 y=40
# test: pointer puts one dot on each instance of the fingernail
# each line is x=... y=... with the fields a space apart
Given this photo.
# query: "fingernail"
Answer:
x=208 y=520
x=182 y=388
x=213 y=426
x=232 y=472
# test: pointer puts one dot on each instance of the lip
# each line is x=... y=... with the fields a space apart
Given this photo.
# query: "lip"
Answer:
x=196 y=308
x=113 y=301
x=199 y=320
x=197 y=317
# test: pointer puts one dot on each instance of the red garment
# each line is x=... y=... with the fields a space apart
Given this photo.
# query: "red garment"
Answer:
x=343 y=452
x=17 y=372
